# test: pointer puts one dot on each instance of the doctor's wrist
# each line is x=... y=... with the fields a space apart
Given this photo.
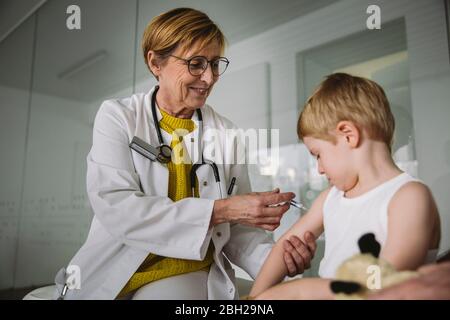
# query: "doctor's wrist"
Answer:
x=219 y=214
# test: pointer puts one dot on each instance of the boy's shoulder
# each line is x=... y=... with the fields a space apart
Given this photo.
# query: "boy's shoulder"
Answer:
x=321 y=199
x=412 y=192
x=413 y=198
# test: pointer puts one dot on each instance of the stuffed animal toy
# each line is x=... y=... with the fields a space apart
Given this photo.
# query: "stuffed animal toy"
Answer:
x=364 y=273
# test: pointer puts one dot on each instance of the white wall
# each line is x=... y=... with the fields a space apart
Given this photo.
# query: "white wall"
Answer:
x=243 y=96
x=431 y=106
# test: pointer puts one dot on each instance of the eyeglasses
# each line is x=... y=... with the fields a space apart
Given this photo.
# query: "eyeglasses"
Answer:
x=197 y=65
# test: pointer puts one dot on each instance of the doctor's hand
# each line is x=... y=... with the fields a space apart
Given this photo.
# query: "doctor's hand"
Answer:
x=256 y=209
x=298 y=254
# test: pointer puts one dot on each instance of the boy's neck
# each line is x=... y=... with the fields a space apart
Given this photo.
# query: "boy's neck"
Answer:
x=374 y=166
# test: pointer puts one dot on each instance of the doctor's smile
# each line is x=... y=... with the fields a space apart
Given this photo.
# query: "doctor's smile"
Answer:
x=200 y=91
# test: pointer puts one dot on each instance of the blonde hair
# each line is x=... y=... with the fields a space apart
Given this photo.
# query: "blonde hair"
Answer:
x=181 y=27
x=345 y=97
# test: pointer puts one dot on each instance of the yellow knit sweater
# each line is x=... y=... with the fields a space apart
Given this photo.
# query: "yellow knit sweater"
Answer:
x=156 y=267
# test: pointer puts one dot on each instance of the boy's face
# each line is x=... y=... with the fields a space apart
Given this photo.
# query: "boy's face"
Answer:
x=334 y=160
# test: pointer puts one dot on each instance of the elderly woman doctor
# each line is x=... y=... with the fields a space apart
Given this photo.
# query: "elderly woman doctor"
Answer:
x=160 y=231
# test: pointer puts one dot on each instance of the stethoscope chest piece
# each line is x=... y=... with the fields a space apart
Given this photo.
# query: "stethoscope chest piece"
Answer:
x=164 y=153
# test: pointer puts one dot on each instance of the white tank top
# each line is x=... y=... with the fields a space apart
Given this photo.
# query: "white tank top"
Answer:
x=347 y=219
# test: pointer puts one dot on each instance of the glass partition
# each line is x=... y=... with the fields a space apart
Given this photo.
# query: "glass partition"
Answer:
x=73 y=72
x=15 y=76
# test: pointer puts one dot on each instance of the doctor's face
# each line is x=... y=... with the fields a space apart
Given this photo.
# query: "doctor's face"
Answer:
x=179 y=87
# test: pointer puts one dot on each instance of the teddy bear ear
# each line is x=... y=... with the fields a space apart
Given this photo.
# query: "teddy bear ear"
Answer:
x=347 y=287
x=368 y=244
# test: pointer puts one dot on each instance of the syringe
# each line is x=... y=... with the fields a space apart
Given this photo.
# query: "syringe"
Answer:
x=298 y=205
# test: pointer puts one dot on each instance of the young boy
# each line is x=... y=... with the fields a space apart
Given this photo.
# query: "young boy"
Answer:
x=348 y=126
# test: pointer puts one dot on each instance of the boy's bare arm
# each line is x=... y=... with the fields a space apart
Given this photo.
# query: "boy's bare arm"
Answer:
x=413 y=224
x=299 y=289
x=274 y=269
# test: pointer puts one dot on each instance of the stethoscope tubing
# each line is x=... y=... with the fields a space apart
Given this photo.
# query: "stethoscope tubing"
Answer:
x=192 y=173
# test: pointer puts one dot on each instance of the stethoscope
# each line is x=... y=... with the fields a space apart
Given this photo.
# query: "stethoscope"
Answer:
x=163 y=152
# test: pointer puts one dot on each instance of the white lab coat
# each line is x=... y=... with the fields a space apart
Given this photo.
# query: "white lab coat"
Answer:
x=133 y=215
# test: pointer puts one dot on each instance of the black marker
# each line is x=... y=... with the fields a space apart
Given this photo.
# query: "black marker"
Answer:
x=231 y=187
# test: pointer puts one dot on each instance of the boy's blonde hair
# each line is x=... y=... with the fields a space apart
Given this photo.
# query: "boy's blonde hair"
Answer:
x=345 y=97
x=180 y=27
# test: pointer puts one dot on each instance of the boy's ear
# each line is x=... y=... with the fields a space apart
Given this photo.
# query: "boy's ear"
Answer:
x=153 y=63
x=350 y=132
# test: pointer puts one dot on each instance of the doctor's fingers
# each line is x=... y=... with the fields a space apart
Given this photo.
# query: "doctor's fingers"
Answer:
x=293 y=264
x=293 y=260
x=267 y=220
x=267 y=223
x=274 y=211
x=299 y=251
x=276 y=198
x=310 y=241
x=268 y=227
x=274 y=191
x=297 y=247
